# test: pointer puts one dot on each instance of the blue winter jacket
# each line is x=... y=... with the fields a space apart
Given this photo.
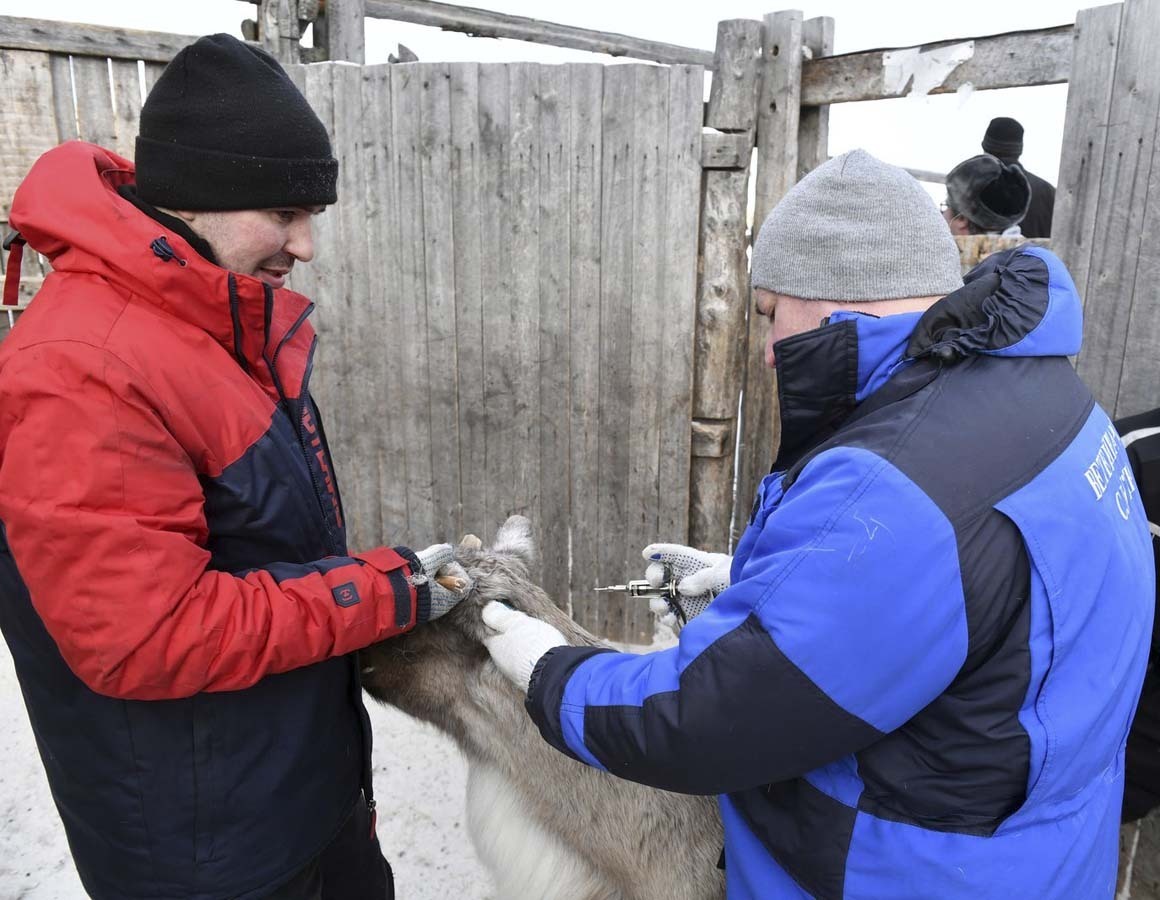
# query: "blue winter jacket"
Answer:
x=921 y=679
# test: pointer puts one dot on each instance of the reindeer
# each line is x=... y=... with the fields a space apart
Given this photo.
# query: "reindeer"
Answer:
x=546 y=826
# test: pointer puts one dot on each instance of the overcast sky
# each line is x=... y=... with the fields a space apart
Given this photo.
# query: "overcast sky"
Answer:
x=929 y=133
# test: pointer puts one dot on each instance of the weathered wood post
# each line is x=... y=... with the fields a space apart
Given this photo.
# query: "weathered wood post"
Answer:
x=778 y=115
x=814 y=121
x=1093 y=61
x=339 y=30
x=722 y=288
x=279 y=31
x=1121 y=330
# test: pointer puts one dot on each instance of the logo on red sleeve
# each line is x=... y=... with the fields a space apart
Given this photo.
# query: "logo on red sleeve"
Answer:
x=346 y=594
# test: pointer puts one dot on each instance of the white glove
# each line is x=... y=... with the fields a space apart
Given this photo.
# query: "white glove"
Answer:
x=438 y=560
x=700 y=577
x=518 y=641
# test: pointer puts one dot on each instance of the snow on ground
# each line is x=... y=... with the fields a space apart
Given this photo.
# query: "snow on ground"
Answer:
x=419 y=783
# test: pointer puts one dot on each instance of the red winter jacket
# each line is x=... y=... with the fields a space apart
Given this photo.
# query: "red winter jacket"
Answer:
x=170 y=525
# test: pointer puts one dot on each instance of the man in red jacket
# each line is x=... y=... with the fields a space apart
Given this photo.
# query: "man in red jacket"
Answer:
x=175 y=586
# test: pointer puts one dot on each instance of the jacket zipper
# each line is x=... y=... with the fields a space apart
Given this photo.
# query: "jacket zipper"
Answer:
x=296 y=420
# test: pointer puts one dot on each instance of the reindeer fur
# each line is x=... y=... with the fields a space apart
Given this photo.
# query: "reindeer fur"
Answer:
x=548 y=827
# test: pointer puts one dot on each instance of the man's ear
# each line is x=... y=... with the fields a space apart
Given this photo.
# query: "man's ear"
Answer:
x=184 y=214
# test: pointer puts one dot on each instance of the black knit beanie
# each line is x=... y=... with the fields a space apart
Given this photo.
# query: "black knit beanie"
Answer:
x=1004 y=139
x=225 y=128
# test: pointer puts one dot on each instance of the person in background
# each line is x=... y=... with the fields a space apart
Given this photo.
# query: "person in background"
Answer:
x=176 y=590
x=1004 y=140
x=985 y=196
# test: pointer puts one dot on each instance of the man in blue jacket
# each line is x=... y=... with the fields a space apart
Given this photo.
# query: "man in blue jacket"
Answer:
x=919 y=674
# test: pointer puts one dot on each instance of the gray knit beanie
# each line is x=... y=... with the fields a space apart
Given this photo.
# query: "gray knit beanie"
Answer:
x=856 y=229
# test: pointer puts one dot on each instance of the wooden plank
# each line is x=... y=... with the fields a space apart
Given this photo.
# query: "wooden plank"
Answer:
x=484 y=23
x=278 y=30
x=733 y=92
x=679 y=241
x=726 y=151
x=414 y=404
x=778 y=112
x=1085 y=131
x=814 y=122
x=94 y=96
x=90 y=40
x=521 y=234
x=554 y=292
x=723 y=296
x=126 y=107
x=777 y=131
x=467 y=233
x=439 y=273
x=723 y=290
x=1120 y=216
x=646 y=343
x=26 y=96
x=153 y=72
x=495 y=285
x=616 y=340
x=345 y=38
x=362 y=328
x=586 y=152
x=390 y=354
x=1015 y=59
x=1140 y=375
x=63 y=101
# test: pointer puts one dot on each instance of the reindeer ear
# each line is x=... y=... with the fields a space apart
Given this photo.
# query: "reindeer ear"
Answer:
x=470 y=542
x=515 y=539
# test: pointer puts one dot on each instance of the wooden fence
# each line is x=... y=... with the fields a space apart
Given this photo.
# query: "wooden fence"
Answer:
x=538 y=273
x=1109 y=201
x=508 y=326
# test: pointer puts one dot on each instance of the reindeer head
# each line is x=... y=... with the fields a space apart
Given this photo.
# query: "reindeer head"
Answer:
x=452 y=646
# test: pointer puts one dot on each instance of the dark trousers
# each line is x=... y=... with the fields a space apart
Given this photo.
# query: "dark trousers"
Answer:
x=351 y=867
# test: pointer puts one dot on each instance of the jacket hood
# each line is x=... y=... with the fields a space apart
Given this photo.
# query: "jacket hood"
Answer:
x=1021 y=302
x=68 y=209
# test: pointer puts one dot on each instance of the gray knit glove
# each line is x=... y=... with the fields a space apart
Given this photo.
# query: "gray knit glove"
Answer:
x=438 y=564
x=700 y=577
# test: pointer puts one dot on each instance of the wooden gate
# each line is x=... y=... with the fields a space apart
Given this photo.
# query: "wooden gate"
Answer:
x=506 y=297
